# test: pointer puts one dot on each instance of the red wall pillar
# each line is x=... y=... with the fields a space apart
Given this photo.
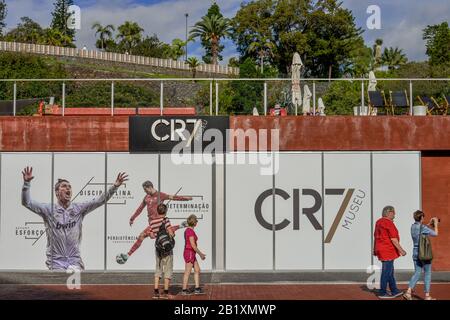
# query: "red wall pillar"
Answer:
x=435 y=202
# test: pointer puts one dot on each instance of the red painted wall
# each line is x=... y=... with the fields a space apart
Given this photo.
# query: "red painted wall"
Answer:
x=435 y=202
x=104 y=133
x=99 y=133
x=353 y=133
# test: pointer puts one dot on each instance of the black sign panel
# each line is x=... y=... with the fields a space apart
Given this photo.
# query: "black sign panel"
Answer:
x=195 y=134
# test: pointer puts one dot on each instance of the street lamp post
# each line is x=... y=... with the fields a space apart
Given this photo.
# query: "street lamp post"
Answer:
x=186 y=15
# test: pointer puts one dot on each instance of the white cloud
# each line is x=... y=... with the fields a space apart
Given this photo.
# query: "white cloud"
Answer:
x=38 y=10
x=402 y=22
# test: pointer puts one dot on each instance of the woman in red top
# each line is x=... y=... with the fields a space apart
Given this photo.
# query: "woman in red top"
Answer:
x=387 y=248
x=190 y=250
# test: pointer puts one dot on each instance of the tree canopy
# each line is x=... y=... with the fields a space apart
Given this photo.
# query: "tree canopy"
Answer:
x=214 y=10
x=130 y=34
x=3 y=12
x=438 y=43
x=60 y=17
x=322 y=32
x=212 y=29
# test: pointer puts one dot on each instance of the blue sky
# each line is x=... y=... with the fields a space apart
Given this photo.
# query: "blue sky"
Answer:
x=402 y=20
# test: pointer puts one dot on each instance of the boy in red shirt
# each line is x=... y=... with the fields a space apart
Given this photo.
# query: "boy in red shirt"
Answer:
x=387 y=248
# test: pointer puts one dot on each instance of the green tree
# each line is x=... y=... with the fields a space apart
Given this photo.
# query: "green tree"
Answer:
x=214 y=10
x=360 y=61
x=393 y=58
x=14 y=65
x=104 y=33
x=263 y=48
x=54 y=37
x=109 y=44
x=3 y=12
x=438 y=43
x=27 y=31
x=212 y=29
x=193 y=64
x=233 y=62
x=253 y=22
x=60 y=17
x=322 y=32
x=341 y=97
x=176 y=50
x=130 y=34
x=248 y=94
x=152 y=47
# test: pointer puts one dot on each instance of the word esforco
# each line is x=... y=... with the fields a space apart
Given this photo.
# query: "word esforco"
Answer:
x=198 y=147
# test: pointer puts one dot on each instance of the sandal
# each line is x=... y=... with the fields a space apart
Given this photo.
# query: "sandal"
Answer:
x=407 y=296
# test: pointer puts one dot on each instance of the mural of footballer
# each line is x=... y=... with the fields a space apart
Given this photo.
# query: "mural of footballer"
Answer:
x=63 y=220
x=151 y=202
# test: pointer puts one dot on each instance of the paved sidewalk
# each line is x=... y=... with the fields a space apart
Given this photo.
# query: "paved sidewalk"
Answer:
x=217 y=285
x=441 y=291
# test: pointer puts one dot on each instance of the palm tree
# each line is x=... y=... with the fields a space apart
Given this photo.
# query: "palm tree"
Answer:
x=104 y=32
x=393 y=58
x=263 y=47
x=177 y=49
x=54 y=37
x=193 y=63
x=130 y=34
x=212 y=29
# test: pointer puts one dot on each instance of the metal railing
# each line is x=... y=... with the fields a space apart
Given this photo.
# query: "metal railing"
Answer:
x=114 y=57
x=217 y=88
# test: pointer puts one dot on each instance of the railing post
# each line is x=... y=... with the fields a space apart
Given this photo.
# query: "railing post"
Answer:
x=112 y=98
x=265 y=98
x=210 y=98
x=63 y=98
x=314 y=97
x=411 y=101
x=14 y=98
x=161 y=99
x=362 y=98
x=217 y=98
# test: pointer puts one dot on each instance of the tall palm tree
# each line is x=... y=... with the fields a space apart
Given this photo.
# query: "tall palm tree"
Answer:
x=212 y=29
x=193 y=64
x=393 y=58
x=104 y=32
x=263 y=48
x=130 y=34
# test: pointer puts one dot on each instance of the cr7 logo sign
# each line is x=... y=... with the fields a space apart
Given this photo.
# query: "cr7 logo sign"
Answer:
x=177 y=129
x=311 y=211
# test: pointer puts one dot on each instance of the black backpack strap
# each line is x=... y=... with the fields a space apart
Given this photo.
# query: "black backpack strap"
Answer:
x=162 y=227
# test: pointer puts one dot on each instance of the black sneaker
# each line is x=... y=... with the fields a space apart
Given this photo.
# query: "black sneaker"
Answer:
x=199 y=291
x=185 y=293
x=385 y=296
x=156 y=295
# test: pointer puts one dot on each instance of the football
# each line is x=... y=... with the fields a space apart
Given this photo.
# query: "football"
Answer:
x=120 y=259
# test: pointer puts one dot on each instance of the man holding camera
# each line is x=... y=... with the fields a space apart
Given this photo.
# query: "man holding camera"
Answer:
x=417 y=229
